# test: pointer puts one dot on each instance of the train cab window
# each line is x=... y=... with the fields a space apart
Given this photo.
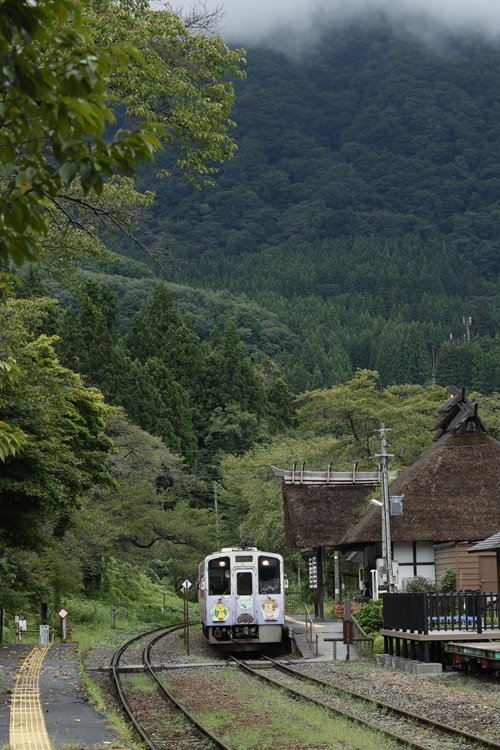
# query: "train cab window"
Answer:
x=269 y=575
x=244 y=583
x=219 y=576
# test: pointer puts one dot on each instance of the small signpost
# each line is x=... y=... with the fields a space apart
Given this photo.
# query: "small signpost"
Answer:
x=62 y=614
x=21 y=627
x=185 y=590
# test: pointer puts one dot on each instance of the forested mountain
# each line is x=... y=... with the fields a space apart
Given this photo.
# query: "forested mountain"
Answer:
x=363 y=204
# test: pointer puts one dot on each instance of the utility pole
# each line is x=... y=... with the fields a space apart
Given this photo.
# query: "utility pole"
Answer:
x=386 y=509
x=320 y=604
x=467 y=321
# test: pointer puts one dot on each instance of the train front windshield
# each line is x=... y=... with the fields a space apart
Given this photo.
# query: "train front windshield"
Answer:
x=219 y=576
x=244 y=583
x=269 y=575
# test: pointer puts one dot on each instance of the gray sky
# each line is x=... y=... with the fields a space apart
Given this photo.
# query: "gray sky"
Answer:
x=250 y=20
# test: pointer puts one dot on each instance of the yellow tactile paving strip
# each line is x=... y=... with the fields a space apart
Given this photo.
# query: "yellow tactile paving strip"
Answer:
x=27 y=724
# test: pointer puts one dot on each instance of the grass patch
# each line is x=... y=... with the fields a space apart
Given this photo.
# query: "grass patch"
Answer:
x=140 y=681
x=113 y=718
x=258 y=716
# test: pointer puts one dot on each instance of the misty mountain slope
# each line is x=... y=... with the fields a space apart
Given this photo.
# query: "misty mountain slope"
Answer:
x=366 y=187
x=370 y=133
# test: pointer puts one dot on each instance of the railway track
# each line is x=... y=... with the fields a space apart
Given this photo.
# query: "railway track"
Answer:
x=155 y=711
x=156 y=719
x=406 y=728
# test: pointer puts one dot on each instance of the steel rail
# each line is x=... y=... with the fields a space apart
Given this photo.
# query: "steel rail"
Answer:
x=115 y=672
x=447 y=728
x=400 y=739
x=339 y=712
x=146 y=654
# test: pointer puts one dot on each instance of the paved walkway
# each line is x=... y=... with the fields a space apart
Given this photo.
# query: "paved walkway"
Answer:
x=42 y=703
x=320 y=648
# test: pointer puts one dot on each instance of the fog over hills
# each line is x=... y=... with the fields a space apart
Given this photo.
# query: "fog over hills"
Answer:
x=261 y=20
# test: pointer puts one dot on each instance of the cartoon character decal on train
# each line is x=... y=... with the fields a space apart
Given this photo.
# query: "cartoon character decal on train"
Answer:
x=245 y=602
x=220 y=612
x=241 y=596
x=270 y=609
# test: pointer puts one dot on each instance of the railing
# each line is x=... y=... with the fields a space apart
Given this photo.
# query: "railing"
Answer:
x=362 y=640
x=311 y=634
x=426 y=613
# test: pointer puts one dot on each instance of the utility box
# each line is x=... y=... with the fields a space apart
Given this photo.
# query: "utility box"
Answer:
x=396 y=505
x=44 y=634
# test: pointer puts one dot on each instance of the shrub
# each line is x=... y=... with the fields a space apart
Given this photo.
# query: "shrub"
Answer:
x=420 y=585
x=448 y=581
x=87 y=611
x=369 y=616
x=378 y=644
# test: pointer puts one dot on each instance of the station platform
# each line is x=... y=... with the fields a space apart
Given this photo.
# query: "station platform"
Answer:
x=326 y=642
x=43 y=704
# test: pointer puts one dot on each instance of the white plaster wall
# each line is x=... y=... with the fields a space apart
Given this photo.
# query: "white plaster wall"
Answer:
x=403 y=554
x=425 y=552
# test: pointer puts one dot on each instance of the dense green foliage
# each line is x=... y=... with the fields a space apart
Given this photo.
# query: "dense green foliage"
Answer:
x=369 y=616
x=202 y=398
x=81 y=488
x=361 y=207
x=53 y=115
x=63 y=424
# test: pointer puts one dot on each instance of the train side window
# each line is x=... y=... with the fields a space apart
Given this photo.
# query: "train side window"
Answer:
x=244 y=583
x=269 y=575
x=219 y=576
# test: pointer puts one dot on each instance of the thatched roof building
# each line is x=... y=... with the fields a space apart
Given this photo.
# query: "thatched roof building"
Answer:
x=321 y=506
x=451 y=492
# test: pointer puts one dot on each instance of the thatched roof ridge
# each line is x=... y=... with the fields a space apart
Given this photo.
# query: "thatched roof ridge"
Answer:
x=452 y=493
x=458 y=414
x=321 y=515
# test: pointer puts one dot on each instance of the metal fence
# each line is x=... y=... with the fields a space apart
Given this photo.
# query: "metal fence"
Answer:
x=426 y=613
x=293 y=599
